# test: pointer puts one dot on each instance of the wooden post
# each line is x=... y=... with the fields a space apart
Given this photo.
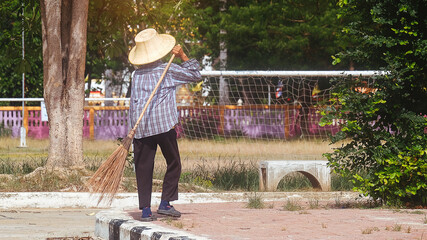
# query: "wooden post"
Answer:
x=221 y=120
x=91 y=124
x=25 y=120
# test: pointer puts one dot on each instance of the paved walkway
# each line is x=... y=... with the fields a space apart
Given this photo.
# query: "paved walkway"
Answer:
x=211 y=216
x=42 y=223
x=234 y=221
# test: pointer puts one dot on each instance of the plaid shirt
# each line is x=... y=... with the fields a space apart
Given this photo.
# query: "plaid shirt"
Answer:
x=161 y=114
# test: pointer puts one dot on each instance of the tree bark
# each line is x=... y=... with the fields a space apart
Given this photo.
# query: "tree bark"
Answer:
x=113 y=85
x=64 y=25
x=223 y=83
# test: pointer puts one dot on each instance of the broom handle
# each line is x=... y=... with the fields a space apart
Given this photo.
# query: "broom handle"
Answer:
x=152 y=93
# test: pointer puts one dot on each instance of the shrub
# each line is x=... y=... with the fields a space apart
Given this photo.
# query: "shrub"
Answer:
x=385 y=126
x=4 y=132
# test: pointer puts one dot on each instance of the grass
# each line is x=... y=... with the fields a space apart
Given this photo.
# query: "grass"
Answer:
x=45 y=181
x=313 y=203
x=173 y=222
x=395 y=228
x=292 y=205
x=256 y=149
x=206 y=165
x=370 y=230
x=255 y=202
x=294 y=182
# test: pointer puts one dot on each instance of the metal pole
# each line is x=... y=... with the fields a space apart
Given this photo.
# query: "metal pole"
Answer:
x=23 y=130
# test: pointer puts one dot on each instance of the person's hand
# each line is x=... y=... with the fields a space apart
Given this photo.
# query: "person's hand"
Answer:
x=177 y=50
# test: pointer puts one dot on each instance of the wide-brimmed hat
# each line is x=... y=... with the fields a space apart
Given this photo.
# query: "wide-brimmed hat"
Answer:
x=150 y=46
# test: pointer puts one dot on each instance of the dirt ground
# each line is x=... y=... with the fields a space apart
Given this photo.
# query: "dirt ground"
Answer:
x=222 y=221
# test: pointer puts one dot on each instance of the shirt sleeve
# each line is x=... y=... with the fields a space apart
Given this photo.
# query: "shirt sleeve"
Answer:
x=186 y=72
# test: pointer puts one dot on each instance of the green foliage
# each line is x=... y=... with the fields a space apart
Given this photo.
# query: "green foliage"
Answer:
x=260 y=35
x=236 y=176
x=282 y=35
x=233 y=176
x=5 y=132
x=11 y=63
x=9 y=166
x=403 y=177
x=385 y=127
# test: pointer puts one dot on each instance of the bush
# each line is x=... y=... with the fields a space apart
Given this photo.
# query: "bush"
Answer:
x=236 y=176
x=4 y=132
x=233 y=176
x=384 y=129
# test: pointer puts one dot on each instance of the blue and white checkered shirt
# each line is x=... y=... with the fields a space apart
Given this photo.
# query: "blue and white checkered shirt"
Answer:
x=161 y=114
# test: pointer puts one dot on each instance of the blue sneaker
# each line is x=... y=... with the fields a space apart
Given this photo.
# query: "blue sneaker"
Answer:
x=166 y=209
x=147 y=215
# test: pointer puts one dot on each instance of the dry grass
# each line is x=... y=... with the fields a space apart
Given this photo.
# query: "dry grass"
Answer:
x=201 y=155
x=255 y=149
x=9 y=148
x=191 y=149
x=255 y=202
x=292 y=205
x=370 y=230
x=215 y=154
x=395 y=228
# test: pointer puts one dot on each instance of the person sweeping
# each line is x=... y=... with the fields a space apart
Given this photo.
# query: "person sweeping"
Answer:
x=156 y=127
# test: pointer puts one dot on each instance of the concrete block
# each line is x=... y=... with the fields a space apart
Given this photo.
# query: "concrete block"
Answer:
x=272 y=171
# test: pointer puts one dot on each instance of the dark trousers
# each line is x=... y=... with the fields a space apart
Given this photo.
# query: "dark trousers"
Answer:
x=144 y=153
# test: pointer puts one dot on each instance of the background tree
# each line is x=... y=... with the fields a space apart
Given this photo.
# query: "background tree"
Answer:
x=108 y=37
x=386 y=154
x=64 y=25
x=282 y=35
x=276 y=35
x=11 y=64
x=112 y=28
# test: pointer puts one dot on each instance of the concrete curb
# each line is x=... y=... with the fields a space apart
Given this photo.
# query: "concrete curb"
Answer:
x=118 y=225
x=130 y=200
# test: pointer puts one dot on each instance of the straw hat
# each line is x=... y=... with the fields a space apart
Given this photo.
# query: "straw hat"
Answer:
x=150 y=47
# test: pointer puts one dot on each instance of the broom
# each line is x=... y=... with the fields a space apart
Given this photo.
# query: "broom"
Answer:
x=107 y=178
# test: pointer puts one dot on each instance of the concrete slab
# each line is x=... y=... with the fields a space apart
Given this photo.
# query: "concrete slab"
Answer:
x=317 y=171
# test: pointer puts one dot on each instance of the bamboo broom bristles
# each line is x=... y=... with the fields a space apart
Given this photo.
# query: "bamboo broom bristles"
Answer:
x=107 y=178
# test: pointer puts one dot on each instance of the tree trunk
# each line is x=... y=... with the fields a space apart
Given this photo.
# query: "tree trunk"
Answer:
x=223 y=83
x=64 y=25
x=113 y=85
